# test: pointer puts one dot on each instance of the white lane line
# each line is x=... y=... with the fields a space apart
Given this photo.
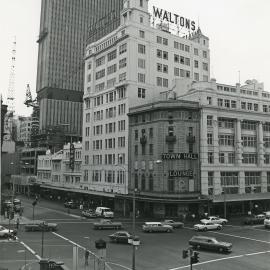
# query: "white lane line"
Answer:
x=242 y=237
x=92 y=253
x=31 y=250
x=222 y=259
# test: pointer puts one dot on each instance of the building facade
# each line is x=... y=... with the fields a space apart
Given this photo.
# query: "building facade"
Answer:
x=130 y=67
x=164 y=141
x=234 y=145
x=65 y=29
x=24 y=130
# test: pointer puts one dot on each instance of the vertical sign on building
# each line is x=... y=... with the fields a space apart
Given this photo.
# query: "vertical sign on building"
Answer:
x=71 y=156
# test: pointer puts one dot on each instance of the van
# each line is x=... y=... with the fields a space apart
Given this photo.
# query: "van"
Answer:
x=104 y=212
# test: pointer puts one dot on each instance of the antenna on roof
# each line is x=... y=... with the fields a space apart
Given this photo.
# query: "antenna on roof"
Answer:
x=239 y=76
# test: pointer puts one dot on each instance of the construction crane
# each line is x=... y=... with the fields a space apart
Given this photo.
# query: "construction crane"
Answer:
x=29 y=101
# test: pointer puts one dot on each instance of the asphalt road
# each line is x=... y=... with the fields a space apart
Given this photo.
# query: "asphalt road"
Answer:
x=162 y=251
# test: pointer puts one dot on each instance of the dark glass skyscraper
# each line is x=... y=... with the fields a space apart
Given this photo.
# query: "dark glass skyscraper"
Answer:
x=66 y=26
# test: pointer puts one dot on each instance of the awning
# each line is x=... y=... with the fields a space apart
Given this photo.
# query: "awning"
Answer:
x=241 y=197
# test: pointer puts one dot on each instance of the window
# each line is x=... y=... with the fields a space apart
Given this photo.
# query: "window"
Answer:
x=210 y=157
x=141 y=63
x=151 y=149
x=196 y=63
x=233 y=104
x=252 y=178
x=122 y=48
x=151 y=132
x=249 y=106
x=231 y=157
x=165 y=41
x=141 y=49
x=122 y=63
x=111 y=55
x=209 y=100
x=196 y=76
x=165 y=83
x=186 y=48
x=89 y=78
x=159 y=53
x=265 y=108
x=221 y=157
x=196 y=51
x=159 y=67
x=227 y=103
x=141 y=33
x=209 y=138
x=100 y=61
x=165 y=55
x=204 y=54
x=220 y=102
x=159 y=81
x=229 y=179
x=248 y=125
x=165 y=69
x=249 y=158
x=89 y=65
x=209 y=120
x=141 y=3
x=141 y=77
x=122 y=77
x=136 y=135
x=176 y=71
x=100 y=74
x=250 y=141
x=141 y=19
x=256 y=107
x=159 y=39
x=141 y=93
x=111 y=69
x=226 y=139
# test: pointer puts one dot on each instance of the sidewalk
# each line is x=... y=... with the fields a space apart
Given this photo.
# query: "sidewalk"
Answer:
x=5 y=221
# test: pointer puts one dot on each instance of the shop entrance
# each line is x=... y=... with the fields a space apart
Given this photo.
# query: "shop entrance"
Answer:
x=171 y=210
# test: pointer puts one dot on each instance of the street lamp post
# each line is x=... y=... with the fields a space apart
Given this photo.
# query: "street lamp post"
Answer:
x=225 y=202
x=133 y=229
x=42 y=239
x=11 y=209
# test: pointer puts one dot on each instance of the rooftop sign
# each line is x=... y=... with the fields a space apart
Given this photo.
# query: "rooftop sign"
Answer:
x=169 y=17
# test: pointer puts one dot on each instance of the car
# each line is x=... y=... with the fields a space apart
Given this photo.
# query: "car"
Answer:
x=6 y=233
x=107 y=224
x=40 y=225
x=88 y=213
x=266 y=222
x=71 y=204
x=207 y=226
x=156 y=227
x=174 y=224
x=104 y=212
x=210 y=243
x=255 y=219
x=215 y=220
x=123 y=237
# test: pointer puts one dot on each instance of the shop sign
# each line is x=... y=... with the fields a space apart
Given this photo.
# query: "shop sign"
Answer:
x=172 y=18
x=169 y=156
x=181 y=173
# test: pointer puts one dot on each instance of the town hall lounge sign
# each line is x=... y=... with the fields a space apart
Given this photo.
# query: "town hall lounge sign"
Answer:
x=170 y=17
x=172 y=156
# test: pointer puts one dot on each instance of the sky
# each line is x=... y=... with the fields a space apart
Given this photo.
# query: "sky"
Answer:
x=237 y=29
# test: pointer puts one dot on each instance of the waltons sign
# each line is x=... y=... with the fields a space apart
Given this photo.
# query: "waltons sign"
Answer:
x=179 y=156
x=173 y=18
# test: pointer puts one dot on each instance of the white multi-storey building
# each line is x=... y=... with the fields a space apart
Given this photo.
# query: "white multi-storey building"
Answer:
x=234 y=144
x=130 y=67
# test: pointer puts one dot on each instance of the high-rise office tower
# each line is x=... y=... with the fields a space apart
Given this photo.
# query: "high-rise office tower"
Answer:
x=66 y=27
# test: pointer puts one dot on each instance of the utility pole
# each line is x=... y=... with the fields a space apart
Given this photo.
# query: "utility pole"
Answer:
x=42 y=239
x=133 y=230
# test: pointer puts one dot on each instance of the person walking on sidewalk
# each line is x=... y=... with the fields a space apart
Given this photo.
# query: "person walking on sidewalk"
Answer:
x=86 y=256
x=17 y=223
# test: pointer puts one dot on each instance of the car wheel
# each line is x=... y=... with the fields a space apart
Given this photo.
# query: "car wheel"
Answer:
x=220 y=249
x=218 y=227
x=204 y=229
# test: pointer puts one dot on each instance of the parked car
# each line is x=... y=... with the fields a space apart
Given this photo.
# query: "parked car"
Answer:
x=123 y=237
x=39 y=225
x=71 y=204
x=104 y=212
x=88 y=213
x=174 y=224
x=5 y=233
x=215 y=220
x=207 y=226
x=255 y=219
x=107 y=224
x=156 y=227
x=210 y=243
x=267 y=222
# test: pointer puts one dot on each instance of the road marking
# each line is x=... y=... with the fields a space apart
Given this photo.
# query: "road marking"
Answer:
x=242 y=237
x=222 y=259
x=31 y=250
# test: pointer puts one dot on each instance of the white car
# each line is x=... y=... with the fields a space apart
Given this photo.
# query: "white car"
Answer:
x=214 y=220
x=4 y=232
x=207 y=226
x=267 y=223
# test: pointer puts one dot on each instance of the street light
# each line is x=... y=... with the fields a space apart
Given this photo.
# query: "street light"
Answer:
x=252 y=191
x=225 y=206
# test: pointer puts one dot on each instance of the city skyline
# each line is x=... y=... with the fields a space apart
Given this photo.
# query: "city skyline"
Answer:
x=233 y=40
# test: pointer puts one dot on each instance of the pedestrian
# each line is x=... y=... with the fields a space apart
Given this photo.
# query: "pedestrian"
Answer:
x=86 y=256
x=81 y=207
x=17 y=223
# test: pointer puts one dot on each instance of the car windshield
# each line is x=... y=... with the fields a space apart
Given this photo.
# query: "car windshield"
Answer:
x=106 y=210
x=2 y=228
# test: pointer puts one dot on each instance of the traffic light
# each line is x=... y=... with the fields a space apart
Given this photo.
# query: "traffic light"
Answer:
x=195 y=257
x=185 y=254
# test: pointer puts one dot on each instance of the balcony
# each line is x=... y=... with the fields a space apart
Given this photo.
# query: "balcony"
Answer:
x=143 y=140
x=190 y=139
x=170 y=138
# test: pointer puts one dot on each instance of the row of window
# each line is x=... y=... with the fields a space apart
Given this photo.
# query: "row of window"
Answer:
x=109 y=176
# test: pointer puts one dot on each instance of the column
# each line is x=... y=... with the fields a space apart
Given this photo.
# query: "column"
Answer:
x=264 y=181
x=203 y=145
x=260 y=150
x=238 y=143
x=241 y=176
x=217 y=183
x=215 y=140
x=204 y=182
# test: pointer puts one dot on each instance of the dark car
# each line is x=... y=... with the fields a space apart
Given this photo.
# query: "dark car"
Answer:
x=210 y=243
x=39 y=226
x=104 y=224
x=71 y=204
x=123 y=237
x=255 y=219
